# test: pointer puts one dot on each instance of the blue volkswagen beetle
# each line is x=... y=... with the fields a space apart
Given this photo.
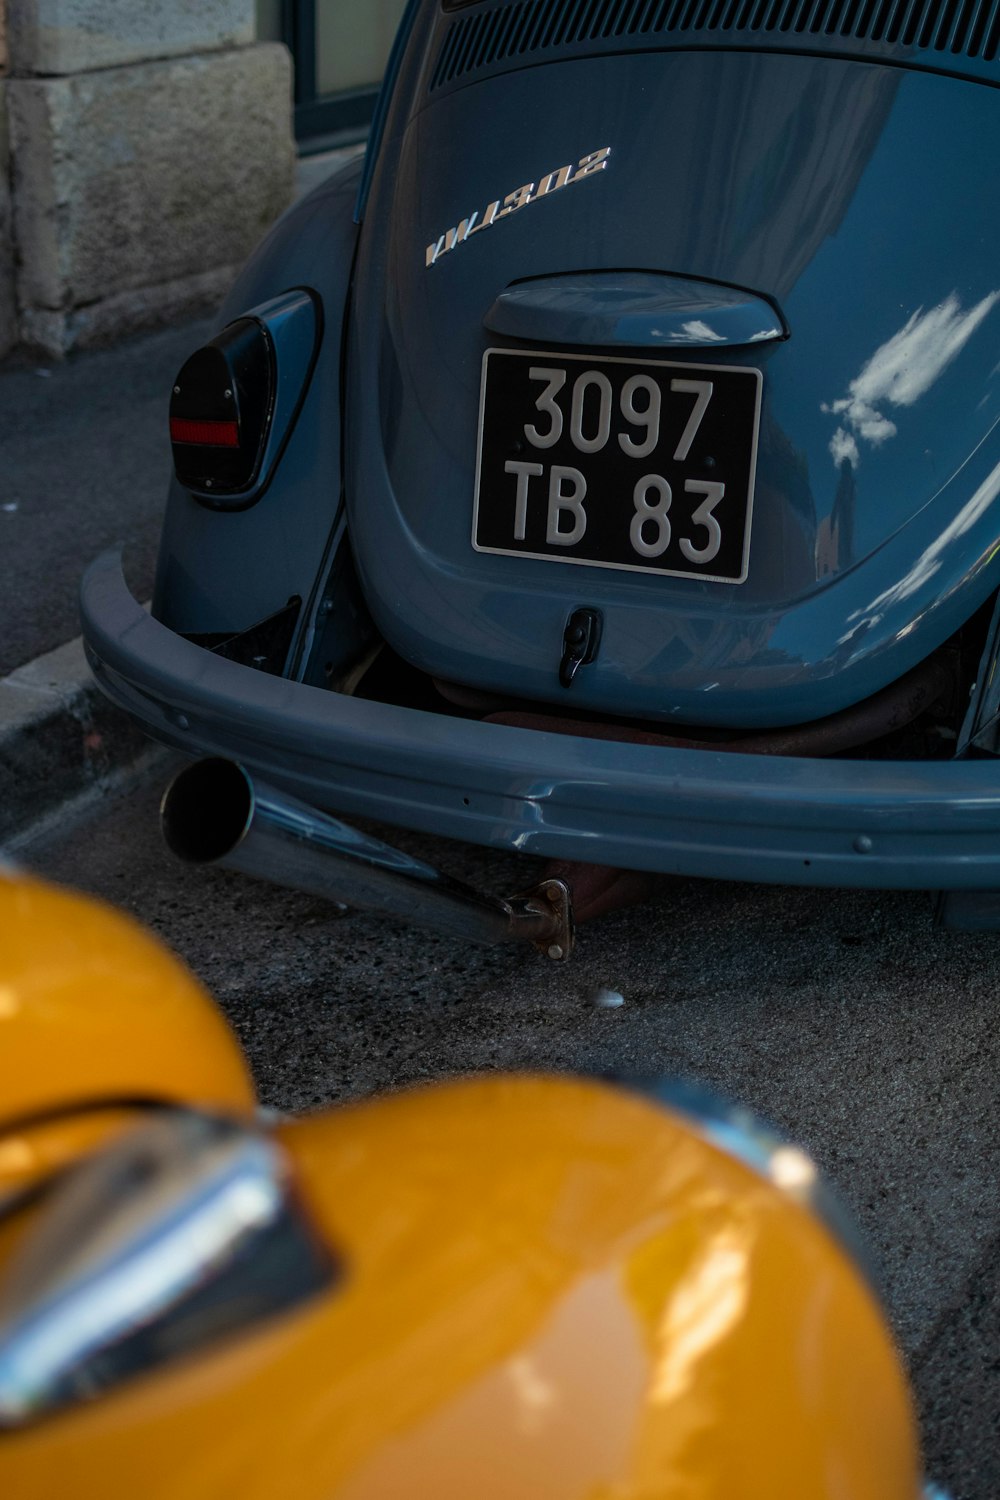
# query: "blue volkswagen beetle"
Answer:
x=607 y=467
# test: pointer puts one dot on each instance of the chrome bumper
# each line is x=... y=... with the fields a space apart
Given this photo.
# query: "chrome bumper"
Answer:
x=905 y=825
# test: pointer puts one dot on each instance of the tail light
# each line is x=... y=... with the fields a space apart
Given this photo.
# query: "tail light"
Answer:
x=221 y=410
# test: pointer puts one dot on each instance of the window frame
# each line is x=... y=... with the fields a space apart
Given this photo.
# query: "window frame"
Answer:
x=321 y=120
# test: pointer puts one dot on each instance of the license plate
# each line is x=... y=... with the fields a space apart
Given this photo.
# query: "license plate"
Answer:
x=646 y=465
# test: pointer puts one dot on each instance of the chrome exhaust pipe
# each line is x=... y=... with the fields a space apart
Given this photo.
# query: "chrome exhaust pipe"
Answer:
x=214 y=813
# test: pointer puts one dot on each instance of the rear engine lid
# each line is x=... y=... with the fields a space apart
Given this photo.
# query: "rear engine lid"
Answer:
x=791 y=258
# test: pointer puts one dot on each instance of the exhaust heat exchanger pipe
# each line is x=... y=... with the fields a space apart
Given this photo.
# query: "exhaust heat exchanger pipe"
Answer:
x=214 y=813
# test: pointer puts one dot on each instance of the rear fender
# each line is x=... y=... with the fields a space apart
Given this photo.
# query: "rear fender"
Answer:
x=221 y=572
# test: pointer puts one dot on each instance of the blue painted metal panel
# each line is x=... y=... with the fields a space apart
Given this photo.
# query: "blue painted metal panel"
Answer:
x=224 y=572
x=850 y=194
x=688 y=812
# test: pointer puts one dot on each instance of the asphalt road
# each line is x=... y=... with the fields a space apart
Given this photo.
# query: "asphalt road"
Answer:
x=86 y=462
x=845 y=1018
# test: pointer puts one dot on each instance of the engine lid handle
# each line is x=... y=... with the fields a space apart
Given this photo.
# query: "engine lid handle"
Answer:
x=634 y=309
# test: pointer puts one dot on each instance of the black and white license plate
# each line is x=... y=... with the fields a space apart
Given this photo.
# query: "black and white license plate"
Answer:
x=617 y=463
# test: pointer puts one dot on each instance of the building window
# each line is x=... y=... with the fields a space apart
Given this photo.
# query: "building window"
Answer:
x=340 y=49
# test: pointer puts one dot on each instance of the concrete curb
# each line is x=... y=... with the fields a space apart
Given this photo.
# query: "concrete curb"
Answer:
x=59 y=737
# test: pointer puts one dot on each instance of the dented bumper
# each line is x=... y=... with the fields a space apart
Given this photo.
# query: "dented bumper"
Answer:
x=881 y=824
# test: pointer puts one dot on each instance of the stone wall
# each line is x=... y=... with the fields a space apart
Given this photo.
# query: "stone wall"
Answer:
x=150 y=146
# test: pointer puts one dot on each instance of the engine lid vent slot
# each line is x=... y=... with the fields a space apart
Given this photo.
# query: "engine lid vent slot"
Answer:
x=896 y=29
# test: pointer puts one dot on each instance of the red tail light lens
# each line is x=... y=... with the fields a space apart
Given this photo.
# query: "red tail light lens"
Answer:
x=205 y=434
x=221 y=409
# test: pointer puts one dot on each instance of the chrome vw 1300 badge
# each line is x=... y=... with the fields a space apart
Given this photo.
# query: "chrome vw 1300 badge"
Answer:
x=530 y=192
